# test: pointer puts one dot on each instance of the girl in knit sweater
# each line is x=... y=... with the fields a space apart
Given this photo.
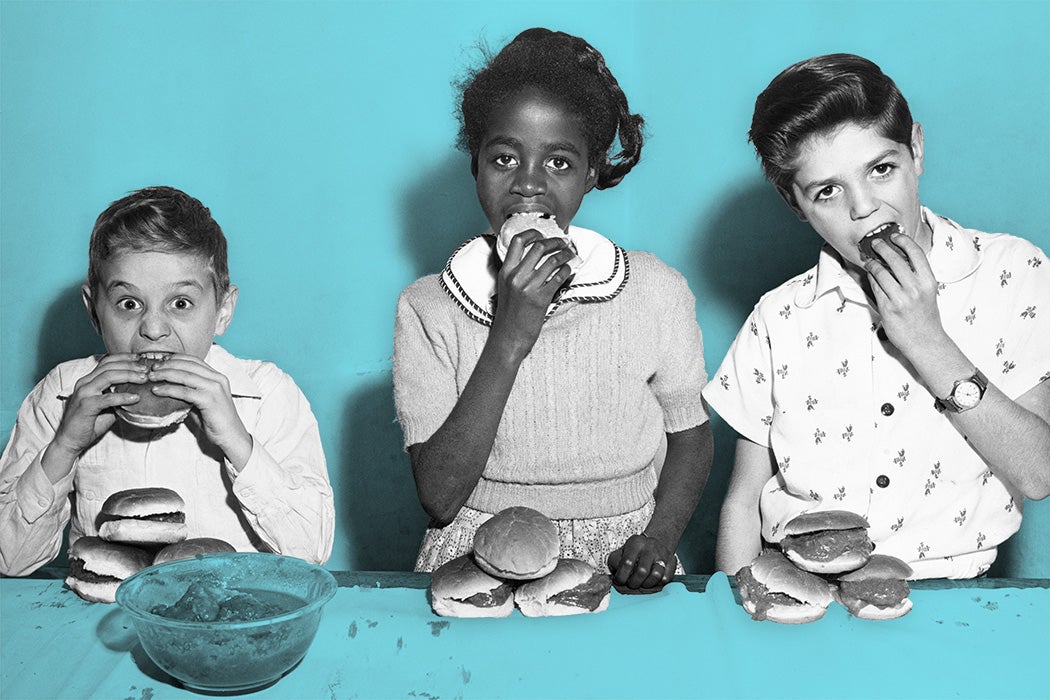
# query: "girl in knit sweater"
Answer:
x=558 y=372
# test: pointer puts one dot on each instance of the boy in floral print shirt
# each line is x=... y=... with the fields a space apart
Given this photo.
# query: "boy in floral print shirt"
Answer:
x=910 y=386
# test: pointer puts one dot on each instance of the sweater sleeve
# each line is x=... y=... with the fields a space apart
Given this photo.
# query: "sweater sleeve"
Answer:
x=425 y=389
x=681 y=374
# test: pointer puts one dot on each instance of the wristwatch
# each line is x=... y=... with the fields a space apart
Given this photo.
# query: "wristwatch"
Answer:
x=966 y=394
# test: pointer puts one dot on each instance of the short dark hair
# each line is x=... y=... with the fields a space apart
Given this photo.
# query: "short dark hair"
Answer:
x=573 y=72
x=820 y=94
x=159 y=219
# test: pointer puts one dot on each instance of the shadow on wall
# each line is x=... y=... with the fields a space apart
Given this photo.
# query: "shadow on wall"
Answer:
x=66 y=332
x=438 y=212
x=378 y=508
x=751 y=244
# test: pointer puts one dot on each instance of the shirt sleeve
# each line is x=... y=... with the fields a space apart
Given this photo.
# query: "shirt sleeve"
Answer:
x=680 y=380
x=740 y=391
x=283 y=488
x=425 y=390
x=1023 y=350
x=33 y=511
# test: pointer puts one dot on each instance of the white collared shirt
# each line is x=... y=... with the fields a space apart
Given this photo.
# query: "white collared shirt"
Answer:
x=851 y=425
x=281 y=500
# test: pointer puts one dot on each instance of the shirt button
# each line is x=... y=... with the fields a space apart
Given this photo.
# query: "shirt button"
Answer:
x=887 y=409
x=883 y=481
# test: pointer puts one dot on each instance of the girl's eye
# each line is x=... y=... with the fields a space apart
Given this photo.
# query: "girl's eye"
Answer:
x=558 y=163
x=182 y=304
x=826 y=193
x=883 y=169
x=128 y=304
x=505 y=160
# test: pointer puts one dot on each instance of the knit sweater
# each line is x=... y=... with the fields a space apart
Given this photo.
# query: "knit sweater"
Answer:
x=583 y=431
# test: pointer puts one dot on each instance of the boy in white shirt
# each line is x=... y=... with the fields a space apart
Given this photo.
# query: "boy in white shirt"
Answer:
x=906 y=382
x=247 y=460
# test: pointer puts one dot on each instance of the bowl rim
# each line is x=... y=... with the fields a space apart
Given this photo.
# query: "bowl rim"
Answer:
x=328 y=581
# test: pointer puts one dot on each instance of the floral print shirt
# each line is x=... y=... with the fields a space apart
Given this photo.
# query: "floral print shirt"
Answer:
x=850 y=424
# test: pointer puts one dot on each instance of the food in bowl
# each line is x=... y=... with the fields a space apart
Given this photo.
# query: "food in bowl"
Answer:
x=229 y=622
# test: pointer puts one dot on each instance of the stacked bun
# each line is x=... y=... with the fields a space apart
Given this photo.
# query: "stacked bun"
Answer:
x=515 y=561
x=97 y=567
x=151 y=411
x=824 y=555
x=187 y=549
x=145 y=516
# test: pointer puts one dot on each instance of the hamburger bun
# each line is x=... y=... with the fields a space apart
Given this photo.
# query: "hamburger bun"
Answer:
x=97 y=567
x=151 y=411
x=827 y=541
x=574 y=587
x=187 y=549
x=143 y=516
x=878 y=590
x=883 y=234
x=547 y=226
x=772 y=588
x=458 y=588
x=518 y=543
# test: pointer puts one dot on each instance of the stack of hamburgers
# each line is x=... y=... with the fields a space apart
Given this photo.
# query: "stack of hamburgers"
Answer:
x=515 y=562
x=824 y=556
x=136 y=528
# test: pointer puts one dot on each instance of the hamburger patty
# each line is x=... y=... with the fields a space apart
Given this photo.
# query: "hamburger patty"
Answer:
x=77 y=570
x=880 y=592
x=762 y=598
x=826 y=545
x=588 y=594
x=494 y=598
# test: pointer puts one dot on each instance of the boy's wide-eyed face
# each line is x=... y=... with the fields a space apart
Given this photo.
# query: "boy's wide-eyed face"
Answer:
x=532 y=158
x=852 y=180
x=151 y=301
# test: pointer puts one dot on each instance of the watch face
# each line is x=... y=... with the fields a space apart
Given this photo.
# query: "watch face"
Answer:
x=967 y=394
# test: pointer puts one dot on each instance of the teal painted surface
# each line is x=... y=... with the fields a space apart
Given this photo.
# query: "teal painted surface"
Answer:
x=321 y=134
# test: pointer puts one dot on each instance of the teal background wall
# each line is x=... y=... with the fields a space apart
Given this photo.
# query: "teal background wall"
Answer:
x=321 y=134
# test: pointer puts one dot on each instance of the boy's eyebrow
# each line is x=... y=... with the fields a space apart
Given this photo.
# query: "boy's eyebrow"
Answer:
x=867 y=166
x=115 y=284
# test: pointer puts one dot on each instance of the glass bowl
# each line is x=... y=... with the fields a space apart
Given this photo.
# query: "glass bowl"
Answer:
x=225 y=623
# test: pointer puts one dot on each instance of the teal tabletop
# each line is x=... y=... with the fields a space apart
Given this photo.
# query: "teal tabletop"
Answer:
x=378 y=638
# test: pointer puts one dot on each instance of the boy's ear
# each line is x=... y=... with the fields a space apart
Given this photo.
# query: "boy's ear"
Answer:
x=89 y=304
x=474 y=166
x=918 y=147
x=789 y=198
x=226 y=307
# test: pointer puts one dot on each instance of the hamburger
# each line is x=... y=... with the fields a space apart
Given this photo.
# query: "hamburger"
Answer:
x=518 y=543
x=882 y=233
x=97 y=567
x=458 y=588
x=547 y=226
x=151 y=411
x=878 y=590
x=187 y=549
x=145 y=516
x=574 y=587
x=772 y=588
x=827 y=541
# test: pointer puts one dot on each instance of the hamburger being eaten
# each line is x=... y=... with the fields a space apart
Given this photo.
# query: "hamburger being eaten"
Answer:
x=517 y=543
x=458 y=588
x=144 y=516
x=151 y=411
x=545 y=224
x=97 y=567
x=772 y=588
x=878 y=590
x=574 y=587
x=827 y=542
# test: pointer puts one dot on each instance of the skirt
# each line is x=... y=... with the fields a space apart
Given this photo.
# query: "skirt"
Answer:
x=591 y=540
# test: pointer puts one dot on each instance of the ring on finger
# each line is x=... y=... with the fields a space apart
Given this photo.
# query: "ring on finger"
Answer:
x=661 y=563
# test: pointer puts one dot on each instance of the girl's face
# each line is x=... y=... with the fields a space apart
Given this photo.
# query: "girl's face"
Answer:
x=532 y=158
